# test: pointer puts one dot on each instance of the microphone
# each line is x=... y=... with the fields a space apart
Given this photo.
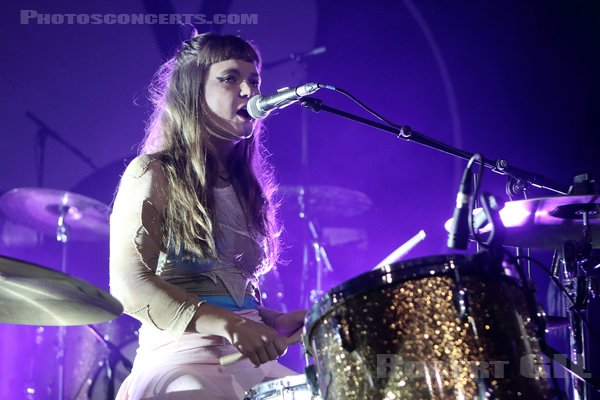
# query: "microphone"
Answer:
x=260 y=106
x=458 y=235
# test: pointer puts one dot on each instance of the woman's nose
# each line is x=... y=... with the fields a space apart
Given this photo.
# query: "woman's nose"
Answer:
x=247 y=90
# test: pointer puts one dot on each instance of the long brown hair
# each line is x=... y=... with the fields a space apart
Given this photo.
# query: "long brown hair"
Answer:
x=178 y=134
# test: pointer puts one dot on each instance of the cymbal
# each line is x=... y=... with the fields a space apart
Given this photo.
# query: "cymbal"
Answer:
x=548 y=222
x=325 y=200
x=34 y=295
x=40 y=209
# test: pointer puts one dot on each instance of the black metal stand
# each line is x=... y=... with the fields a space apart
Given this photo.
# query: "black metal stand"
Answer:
x=500 y=166
x=44 y=131
x=576 y=277
x=109 y=365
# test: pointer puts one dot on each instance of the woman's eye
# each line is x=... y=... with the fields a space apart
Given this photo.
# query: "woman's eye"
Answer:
x=255 y=83
x=226 y=79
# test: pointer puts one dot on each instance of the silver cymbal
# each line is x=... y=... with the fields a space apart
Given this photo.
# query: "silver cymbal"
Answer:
x=40 y=209
x=548 y=222
x=34 y=295
x=324 y=200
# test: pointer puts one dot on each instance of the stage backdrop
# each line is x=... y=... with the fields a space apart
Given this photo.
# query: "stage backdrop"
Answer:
x=512 y=80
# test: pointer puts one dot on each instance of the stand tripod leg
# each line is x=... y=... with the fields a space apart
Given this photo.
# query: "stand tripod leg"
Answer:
x=577 y=339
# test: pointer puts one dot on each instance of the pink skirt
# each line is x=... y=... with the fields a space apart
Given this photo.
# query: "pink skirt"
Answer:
x=189 y=368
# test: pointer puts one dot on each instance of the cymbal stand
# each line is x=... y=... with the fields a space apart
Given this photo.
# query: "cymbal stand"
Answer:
x=579 y=373
x=44 y=131
x=321 y=261
x=111 y=360
x=578 y=279
x=577 y=283
x=313 y=254
x=62 y=235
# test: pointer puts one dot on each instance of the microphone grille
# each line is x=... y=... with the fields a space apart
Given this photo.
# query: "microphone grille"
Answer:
x=253 y=109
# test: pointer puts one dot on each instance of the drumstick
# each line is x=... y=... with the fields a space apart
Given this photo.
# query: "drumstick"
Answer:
x=402 y=250
x=233 y=358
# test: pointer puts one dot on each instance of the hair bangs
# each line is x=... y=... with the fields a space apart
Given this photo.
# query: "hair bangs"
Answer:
x=230 y=47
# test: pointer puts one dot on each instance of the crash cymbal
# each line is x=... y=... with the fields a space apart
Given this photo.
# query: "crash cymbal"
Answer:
x=324 y=200
x=40 y=209
x=35 y=295
x=548 y=222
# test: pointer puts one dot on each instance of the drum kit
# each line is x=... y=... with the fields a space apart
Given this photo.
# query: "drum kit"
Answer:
x=457 y=326
x=447 y=326
x=31 y=294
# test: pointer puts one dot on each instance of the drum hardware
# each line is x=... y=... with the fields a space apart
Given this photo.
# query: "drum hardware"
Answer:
x=308 y=202
x=294 y=387
x=405 y=132
x=70 y=301
x=460 y=297
x=311 y=245
x=337 y=321
x=100 y=358
x=312 y=377
x=113 y=357
x=541 y=230
x=577 y=282
x=320 y=258
x=574 y=264
x=43 y=132
x=577 y=289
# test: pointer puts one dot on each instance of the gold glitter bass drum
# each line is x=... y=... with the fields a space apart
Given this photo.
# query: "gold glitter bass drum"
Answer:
x=441 y=327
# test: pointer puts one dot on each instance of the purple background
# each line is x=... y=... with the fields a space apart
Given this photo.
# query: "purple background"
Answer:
x=513 y=80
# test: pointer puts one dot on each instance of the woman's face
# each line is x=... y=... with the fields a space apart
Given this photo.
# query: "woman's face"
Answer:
x=228 y=85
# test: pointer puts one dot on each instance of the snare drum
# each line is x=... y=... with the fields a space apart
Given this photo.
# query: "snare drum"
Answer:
x=431 y=328
x=292 y=387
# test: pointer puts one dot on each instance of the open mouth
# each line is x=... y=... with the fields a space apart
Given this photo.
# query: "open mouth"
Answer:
x=242 y=112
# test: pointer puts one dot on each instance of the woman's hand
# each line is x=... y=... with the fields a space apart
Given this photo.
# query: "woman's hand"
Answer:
x=255 y=340
x=290 y=324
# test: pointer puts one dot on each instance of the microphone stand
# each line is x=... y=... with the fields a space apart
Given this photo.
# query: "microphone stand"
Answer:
x=500 y=166
x=519 y=180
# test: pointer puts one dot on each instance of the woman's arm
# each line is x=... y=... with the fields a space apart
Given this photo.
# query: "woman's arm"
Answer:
x=135 y=243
